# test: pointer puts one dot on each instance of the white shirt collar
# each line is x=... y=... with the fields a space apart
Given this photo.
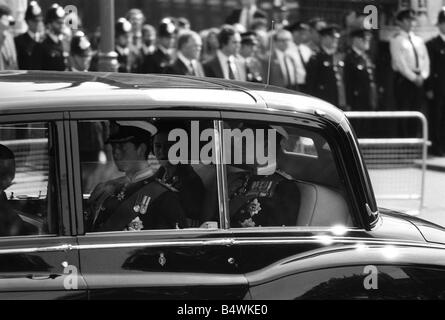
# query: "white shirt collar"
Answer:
x=33 y=35
x=223 y=57
x=184 y=60
x=147 y=50
x=328 y=51
x=357 y=50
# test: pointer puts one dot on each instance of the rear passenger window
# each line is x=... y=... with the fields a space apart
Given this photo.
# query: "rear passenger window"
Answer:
x=281 y=175
x=148 y=174
x=27 y=180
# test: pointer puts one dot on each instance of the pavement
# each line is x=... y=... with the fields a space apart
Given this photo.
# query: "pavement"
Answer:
x=434 y=198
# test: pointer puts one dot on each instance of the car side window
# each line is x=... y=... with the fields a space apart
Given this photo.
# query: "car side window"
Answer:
x=145 y=175
x=27 y=180
x=282 y=175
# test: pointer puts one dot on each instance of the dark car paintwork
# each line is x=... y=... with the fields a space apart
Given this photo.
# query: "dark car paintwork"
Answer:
x=199 y=264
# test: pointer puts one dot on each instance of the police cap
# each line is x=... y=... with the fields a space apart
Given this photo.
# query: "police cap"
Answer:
x=249 y=38
x=54 y=13
x=167 y=28
x=33 y=11
x=360 y=33
x=80 y=45
x=132 y=131
x=405 y=14
x=123 y=26
x=331 y=31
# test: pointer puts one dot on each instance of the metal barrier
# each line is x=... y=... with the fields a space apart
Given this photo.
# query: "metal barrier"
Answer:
x=396 y=166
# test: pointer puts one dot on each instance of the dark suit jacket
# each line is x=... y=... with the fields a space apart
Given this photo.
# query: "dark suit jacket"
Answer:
x=359 y=82
x=49 y=55
x=178 y=67
x=156 y=62
x=25 y=46
x=436 y=51
x=213 y=69
x=235 y=16
x=277 y=78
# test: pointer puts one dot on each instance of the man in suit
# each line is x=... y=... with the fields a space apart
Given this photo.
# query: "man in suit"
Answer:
x=122 y=46
x=325 y=69
x=225 y=64
x=247 y=15
x=436 y=87
x=26 y=42
x=8 y=53
x=283 y=70
x=163 y=55
x=189 y=48
x=51 y=54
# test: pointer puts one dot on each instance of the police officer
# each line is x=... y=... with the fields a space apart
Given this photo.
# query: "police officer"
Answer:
x=263 y=195
x=51 y=54
x=26 y=42
x=436 y=87
x=325 y=69
x=137 y=200
x=81 y=54
x=411 y=65
x=181 y=177
x=163 y=55
x=124 y=55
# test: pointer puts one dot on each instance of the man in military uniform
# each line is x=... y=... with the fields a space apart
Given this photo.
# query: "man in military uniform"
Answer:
x=436 y=87
x=163 y=55
x=411 y=65
x=124 y=55
x=81 y=54
x=360 y=86
x=26 y=42
x=263 y=195
x=137 y=200
x=325 y=69
x=51 y=54
x=181 y=177
x=249 y=47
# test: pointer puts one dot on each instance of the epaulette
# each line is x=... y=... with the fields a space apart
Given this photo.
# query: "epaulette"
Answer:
x=284 y=174
x=167 y=186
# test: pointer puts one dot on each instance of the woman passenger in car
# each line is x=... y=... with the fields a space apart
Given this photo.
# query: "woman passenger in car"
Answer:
x=181 y=177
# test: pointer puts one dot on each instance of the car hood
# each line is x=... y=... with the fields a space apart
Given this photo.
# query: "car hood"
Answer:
x=432 y=232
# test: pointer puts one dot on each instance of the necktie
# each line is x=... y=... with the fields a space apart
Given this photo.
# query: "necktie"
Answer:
x=416 y=56
x=289 y=79
x=231 y=74
x=192 y=69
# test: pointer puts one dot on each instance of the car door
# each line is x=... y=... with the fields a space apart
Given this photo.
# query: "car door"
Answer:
x=308 y=179
x=38 y=254
x=191 y=263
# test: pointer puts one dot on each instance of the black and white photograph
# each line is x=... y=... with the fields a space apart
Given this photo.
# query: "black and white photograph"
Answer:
x=232 y=151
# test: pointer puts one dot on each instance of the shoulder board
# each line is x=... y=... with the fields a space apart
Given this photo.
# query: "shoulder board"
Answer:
x=284 y=174
x=167 y=186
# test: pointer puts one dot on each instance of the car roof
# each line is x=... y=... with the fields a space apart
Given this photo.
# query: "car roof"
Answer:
x=51 y=91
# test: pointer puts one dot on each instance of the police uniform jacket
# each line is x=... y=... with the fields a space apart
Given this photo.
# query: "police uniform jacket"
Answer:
x=115 y=205
x=25 y=44
x=325 y=77
x=263 y=200
x=123 y=59
x=359 y=81
x=49 y=55
x=436 y=50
